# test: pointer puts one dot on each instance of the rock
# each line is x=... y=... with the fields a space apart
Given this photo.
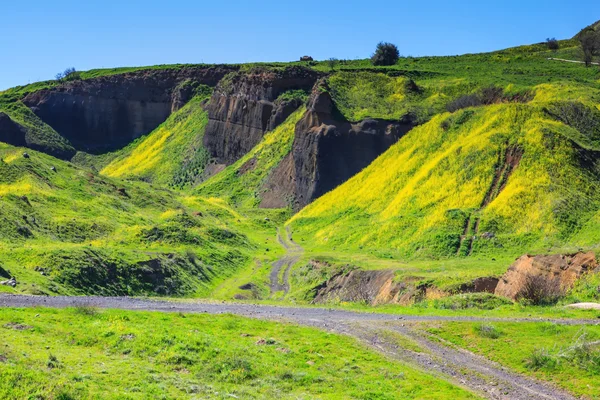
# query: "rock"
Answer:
x=108 y=112
x=243 y=108
x=565 y=268
x=25 y=155
x=373 y=287
x=328 y=150
x=53 y=169
x=11 y=132
x=11 y=282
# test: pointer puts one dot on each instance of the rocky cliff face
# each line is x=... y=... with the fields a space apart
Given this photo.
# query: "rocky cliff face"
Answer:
x=562 y=270
x=10 y=132
x=244 y=107
x=108 y=112
x=328 y=150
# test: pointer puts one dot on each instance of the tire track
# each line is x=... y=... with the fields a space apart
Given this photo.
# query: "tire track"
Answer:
x=279 y=281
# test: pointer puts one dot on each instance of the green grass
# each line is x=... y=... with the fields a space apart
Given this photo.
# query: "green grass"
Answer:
x=242 y=184
x=556 y=353
x=76 y=232
x=415 y=199
x=86 y=353
x=172 y=155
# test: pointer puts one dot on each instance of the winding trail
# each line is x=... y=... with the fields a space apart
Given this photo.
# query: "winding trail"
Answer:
x=376 y=330
x=293 y=253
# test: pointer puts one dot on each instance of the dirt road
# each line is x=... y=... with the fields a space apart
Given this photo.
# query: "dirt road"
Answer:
x=281 y=282
x=376 y=330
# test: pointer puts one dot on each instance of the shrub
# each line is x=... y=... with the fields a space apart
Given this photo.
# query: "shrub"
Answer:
x=332 y=63
x=539 y=290
x=87 y=310
x=589 y=39
x=482 y=301
x=552 y=44
x=488 y=331
x=540 y=358
x=581 y=117
x=466 y=101
x=385 y=54
x=68 y=74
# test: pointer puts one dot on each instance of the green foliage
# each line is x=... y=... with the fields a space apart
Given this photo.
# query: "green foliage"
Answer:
x=173 y=154
x=568 y=356
x=297 y=95
x=385 y=54
x=487 y=331
x=141 y=355
x=482 y=301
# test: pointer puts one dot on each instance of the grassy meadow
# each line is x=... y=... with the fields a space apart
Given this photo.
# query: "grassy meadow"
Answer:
x=86 y=353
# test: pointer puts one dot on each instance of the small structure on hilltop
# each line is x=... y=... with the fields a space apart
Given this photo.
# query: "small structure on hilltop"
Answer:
x=306 y=58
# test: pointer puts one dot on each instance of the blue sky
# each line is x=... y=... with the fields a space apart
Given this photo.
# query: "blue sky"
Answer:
x=40 y=38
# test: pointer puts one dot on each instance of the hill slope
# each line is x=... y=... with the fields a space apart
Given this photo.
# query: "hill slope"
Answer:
x=485 y=180
x=68 y=230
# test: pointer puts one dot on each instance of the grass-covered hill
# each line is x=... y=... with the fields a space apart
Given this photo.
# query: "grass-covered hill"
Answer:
x=69 y=230
x=502 y=161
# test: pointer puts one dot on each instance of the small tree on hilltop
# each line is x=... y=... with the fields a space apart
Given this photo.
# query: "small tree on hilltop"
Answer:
x=590 y=45
x=66 y=74
x=332 y=63
x=552 y=44
x=385 y=54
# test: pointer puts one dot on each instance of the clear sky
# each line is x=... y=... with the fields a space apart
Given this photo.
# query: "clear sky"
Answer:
x=39 y=38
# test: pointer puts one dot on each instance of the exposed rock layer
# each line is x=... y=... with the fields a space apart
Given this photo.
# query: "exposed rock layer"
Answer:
x=108 y=112
x=244 y=107
x=11 y=132
x=328 y=150
x=564 y=268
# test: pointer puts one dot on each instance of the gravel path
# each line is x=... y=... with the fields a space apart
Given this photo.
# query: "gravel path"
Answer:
x=455 y=365
x=293 y=254
x=571 y=61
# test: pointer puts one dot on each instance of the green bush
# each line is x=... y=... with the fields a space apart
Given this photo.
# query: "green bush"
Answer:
x=385 y=54
x=482 y=301
x=488 y=331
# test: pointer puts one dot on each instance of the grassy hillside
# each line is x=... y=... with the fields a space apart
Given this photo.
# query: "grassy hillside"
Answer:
x=72 y=231
x=453 y=178
x=171 y=155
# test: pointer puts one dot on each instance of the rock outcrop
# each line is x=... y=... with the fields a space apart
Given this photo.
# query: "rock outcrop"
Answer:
x=566 y=269
x=244 y=107
x=11 y=132
x=328 y=150
x=108 y=112
x=372 y=287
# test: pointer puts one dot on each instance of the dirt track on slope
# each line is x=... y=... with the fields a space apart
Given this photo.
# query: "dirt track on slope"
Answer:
x=285 y=263
x=373 y=329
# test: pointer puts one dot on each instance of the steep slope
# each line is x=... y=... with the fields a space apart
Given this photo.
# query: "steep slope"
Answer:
x=100 y=112
x=171 y=155
x=264 y=176
x=488 y=180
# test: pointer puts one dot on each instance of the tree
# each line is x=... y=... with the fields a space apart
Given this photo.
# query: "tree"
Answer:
x=66 y=74
x=385 y=54
x=332 y=62
x=552 y=44
x=590 y=45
